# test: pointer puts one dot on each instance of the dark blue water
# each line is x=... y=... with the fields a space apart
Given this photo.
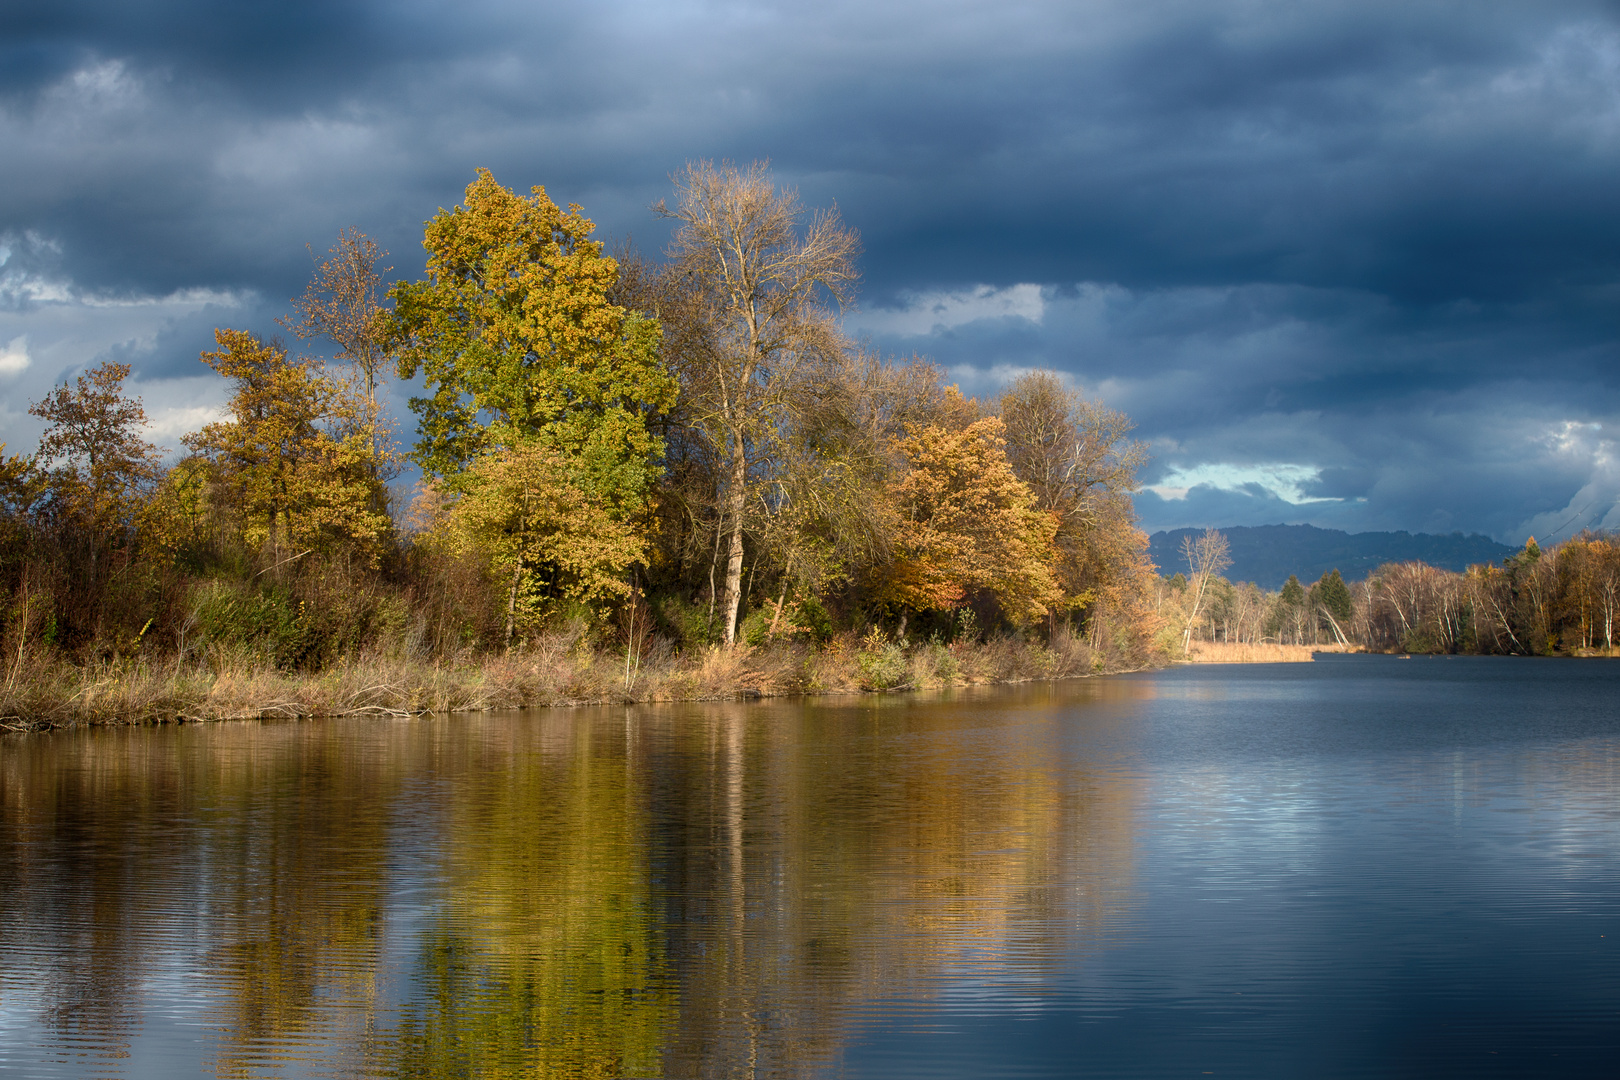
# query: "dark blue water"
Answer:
x=1361 y=866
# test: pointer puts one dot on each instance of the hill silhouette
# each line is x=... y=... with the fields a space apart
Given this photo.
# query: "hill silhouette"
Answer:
x=1267 y=554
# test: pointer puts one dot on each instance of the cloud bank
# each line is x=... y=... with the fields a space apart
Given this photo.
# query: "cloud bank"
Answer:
x=1356 y=264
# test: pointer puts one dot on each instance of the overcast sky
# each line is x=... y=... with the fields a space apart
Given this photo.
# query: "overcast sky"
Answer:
x=1355 y=264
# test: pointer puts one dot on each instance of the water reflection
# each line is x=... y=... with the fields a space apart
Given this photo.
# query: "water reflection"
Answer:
x=698 y=890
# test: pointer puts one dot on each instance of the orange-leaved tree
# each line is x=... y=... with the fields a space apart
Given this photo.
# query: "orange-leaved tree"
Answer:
x=966 y=523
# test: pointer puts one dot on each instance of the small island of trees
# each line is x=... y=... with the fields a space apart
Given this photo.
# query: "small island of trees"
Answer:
x=640 y=480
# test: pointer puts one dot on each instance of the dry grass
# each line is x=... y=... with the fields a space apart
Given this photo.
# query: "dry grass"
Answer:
x=559 y=669
x=1223 y=652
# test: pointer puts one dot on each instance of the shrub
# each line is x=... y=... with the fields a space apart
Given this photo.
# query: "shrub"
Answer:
x=881 y=663
x=685 y=624
x=755 y=625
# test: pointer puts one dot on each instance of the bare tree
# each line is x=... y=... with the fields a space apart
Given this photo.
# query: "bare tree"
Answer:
x=1080 y=465
x=343 y=303
x=1070 y=450
x=1206 y=556
x=760 y=293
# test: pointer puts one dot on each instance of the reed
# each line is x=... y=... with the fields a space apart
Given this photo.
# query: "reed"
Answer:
x=561 y=668
x=1233 y=652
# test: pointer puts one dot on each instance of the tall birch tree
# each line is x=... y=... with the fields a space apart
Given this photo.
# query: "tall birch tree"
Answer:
x=763 y=283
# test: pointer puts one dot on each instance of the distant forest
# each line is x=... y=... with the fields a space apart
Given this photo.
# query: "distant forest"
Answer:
x=1563 y=599
x=1269 y=555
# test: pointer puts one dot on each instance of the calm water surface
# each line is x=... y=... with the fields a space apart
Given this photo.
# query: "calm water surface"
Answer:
x=1362 y=866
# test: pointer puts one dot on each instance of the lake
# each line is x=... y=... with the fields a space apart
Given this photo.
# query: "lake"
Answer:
x=1363 y=866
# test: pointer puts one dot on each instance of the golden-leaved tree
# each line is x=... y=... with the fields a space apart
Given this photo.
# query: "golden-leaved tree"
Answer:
x=540 y=392
x=523 y=511
x=296 y=484
x=967 y=523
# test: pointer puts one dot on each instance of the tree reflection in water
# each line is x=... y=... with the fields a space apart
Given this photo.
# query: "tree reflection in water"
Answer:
x=690 y=890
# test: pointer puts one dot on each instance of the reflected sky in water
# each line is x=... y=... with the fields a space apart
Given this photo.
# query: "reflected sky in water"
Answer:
x=1355 y=867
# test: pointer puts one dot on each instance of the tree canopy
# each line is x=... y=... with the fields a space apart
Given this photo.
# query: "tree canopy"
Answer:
x=516 y=339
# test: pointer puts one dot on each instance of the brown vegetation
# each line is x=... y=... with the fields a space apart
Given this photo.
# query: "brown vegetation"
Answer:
x=562 y=667
x=1253 y=652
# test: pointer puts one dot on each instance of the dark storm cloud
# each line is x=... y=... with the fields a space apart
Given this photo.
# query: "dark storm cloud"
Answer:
x=1373 y=245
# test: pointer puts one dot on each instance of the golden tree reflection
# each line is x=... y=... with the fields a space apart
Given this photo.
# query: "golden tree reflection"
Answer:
x=546 y=958
x=700 y=890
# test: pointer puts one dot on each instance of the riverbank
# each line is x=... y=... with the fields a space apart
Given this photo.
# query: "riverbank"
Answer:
x=1224 y=652
x=560 y=669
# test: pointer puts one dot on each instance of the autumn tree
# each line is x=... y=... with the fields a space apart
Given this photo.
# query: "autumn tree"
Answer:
x=832 y=514
x=966 y=523
x=548 y=540
x=517 y=341
x=760 y=287
x=20 y=489
x=101 y=467
x=298 y=480
x=1080 y=464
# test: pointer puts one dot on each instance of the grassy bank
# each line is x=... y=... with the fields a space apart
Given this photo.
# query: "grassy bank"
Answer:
x=559 y=669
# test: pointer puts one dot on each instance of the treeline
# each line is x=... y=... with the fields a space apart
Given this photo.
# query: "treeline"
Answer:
x=1561 y=600
x=652 y=457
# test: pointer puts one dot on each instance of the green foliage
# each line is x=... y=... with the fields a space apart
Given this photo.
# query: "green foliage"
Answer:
x=810 y=614
x=517 y=342
x=690 y=625
x=256 y=621
x=1420 y=640
x=755 y=625
x=942 y=661
x=1293 y=593
x=1333 y=594
x=275 y=625
x=799 y=618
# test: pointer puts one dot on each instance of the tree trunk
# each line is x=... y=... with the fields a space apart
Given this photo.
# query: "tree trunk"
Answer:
x=511 y=604
x=737 y=502
x=770 y=635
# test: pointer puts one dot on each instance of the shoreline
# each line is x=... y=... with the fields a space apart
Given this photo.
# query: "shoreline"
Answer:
x=560 y=671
